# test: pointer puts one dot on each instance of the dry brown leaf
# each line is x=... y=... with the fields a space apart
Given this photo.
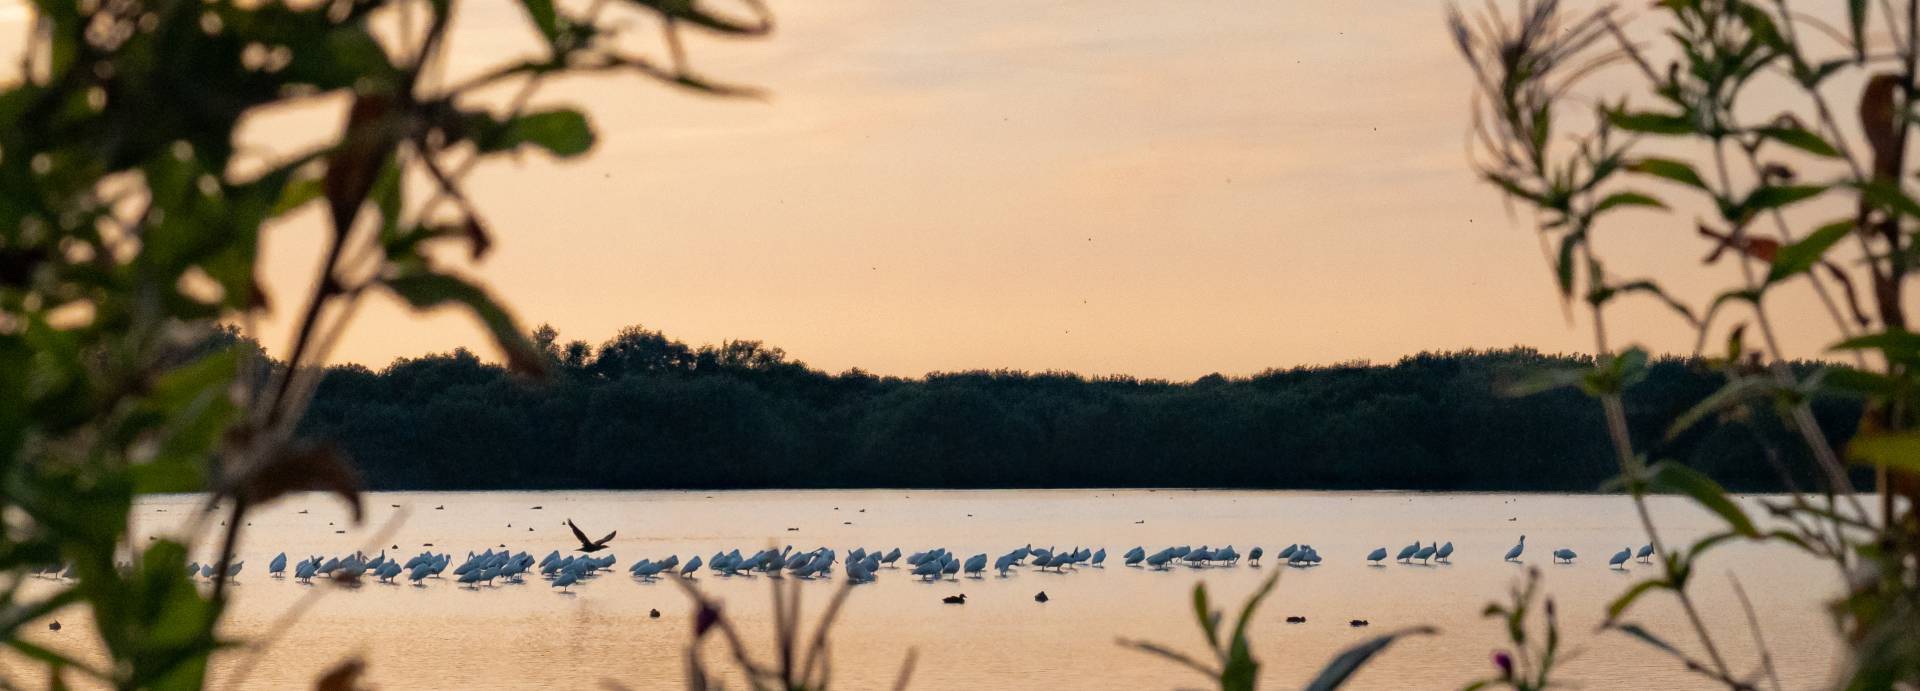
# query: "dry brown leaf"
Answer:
x=300 y=467
x=354 y=167
x=1880 y=122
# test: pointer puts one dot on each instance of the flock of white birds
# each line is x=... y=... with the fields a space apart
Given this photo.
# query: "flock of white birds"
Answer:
x=860 y=565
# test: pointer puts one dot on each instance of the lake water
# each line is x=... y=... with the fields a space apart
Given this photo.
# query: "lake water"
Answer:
x=532 y=636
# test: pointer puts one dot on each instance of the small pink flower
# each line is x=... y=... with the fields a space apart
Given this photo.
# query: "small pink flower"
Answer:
x=1505 y=662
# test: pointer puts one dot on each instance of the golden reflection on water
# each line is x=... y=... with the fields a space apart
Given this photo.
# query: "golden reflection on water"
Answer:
x=530 y=635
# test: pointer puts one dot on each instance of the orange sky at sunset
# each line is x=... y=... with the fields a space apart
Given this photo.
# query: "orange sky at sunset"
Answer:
x=1156 y=189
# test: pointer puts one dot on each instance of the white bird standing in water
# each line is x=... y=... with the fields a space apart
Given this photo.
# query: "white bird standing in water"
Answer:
x=1376 y=555
x=1645 y=554
x=1425 y=553
x=1620 y=557
x=976 y=564
x=1514 y=554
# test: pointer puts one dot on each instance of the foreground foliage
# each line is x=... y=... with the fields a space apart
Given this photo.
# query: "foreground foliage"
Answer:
x=130 y=225
x=1233 y=667
x=1690 y=136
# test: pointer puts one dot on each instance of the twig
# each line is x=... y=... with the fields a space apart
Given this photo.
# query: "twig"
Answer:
x=1759 y=639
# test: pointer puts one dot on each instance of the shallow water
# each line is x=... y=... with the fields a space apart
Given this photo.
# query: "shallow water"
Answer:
x=532 y=636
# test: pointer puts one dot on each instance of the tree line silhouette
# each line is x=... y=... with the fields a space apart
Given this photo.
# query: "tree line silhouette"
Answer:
x=644 y=411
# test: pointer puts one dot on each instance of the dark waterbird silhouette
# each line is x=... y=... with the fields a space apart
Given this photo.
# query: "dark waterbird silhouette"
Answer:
x=590 y=545
x=1042 y=597
x=960 y=599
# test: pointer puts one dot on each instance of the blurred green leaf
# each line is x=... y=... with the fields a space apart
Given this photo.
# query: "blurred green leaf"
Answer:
x=544 y=18
x=1170 y=654
x=1628 y=198
x=1240 y=670
x=1895 y=345
x=1857 y=21
x=1563 y=266
x=424 y=290
x=1620 y=604
x=297 y=193
x=1770 y=197
x=1342 y=666
x=1615 y=374
x=1203 y=611
x=1650 y=122
x=1799 y=138
x=1677 y=171
x=1899 y=450
x=1670 y=476
x=1605 y=294
x=1800 y=256
x=168 y=475
x=692 y=13
x=1860 y=381
x=1889 y=196
x=1253 y=605
x=563 y=133
x=1636 y=631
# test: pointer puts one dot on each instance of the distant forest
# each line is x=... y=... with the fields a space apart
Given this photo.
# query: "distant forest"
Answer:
x=643 y=411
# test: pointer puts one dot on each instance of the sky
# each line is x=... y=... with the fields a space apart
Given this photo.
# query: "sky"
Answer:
x=1155 y=189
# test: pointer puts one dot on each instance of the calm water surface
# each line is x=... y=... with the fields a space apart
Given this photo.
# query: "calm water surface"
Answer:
x=531 y=636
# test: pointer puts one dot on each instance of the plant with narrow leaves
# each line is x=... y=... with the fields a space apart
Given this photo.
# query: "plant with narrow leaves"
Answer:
x=1233 y=666
x=1529 y=663
x=1749 y=173
x=130 y=227
x=802 y=661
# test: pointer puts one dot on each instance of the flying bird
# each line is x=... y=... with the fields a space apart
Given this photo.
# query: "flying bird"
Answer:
x=590 y=545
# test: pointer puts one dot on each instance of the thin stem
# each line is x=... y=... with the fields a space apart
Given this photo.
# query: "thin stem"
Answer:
x=1819 y=287
x=1804 y=422
x=1759 y=637
x=227 y=544
x=1630 y=465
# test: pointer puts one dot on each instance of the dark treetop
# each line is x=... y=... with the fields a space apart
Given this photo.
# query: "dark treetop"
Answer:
x=645 y=411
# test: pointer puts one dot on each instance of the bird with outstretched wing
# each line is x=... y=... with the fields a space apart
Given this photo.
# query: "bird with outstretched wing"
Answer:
x=590 y=545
